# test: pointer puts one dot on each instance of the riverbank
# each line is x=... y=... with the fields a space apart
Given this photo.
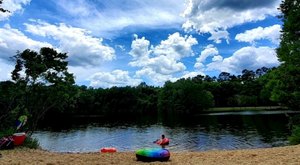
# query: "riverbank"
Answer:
x=266 y=156
x=234 y=109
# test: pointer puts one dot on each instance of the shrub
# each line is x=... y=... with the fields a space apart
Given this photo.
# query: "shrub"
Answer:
x=7 y=132
x=295 y=137
x=31 y=143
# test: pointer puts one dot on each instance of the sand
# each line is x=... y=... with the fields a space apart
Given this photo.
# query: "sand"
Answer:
x=268 y=156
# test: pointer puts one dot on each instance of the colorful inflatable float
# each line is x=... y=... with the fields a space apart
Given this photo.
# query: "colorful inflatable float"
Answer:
x=152 y=154
x=108 y=149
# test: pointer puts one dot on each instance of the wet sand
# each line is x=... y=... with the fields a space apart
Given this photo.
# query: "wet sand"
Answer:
x=289 y=155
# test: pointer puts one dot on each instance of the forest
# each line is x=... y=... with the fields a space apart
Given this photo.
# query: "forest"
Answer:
x=43 y=94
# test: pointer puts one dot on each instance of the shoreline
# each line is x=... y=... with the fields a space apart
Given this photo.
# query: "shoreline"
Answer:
x=246 y=108
x=265 y=156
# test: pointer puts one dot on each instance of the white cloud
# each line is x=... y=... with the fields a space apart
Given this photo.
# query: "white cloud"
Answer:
x=83 y=73
x=114 y=78
x=246 y=58
x=209 y=16
x=13 y=40
x=216 y=36
x=191 y=74
x=13 y=6
x=83 y=49
x=209 y=50
x=109 y=17
x=271 y=33
x=176 y=46
x=5 y=70
x=164 y=65
x=155 y=78
x=217 y=58
x=140 y=51
x=159 y=63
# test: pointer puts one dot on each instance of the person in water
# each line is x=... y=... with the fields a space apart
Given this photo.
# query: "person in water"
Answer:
x=163 y=141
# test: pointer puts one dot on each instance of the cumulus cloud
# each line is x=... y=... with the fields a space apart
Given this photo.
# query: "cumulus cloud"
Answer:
x=153 y=77
x=217 y=58
x=160 y=62
x=176 y=46
x=271 y=33
x=109 y=17
x=246 y=58
x=82 y=48
x=13 y=40
x=209 y=16
x=140 y=51
x=216 y=36
x=209 y=50
x=191 y=74
x=114 y=78
x=13 y=6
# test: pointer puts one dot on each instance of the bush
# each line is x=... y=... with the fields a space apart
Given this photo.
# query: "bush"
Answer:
x=31 y=143
x=7 y=132
x=294 y=121
x=295 y=137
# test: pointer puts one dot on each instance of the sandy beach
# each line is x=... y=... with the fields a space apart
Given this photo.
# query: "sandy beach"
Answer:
x=289 y=155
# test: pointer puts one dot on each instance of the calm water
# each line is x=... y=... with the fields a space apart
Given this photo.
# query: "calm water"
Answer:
x=223 y=131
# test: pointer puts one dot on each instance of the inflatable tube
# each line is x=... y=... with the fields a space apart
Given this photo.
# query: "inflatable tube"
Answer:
x=19 y=138
x=164 y=141
x=152 y=154
x=108 y=149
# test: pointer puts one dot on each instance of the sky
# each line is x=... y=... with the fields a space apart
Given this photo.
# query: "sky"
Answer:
x=126 y=42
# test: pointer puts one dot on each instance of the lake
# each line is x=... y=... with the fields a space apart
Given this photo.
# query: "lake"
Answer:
x=213 y=131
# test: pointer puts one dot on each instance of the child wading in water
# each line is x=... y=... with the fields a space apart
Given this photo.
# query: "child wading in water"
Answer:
x=163 y=141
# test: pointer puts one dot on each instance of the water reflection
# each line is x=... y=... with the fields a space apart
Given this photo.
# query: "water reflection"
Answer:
x=201 y=133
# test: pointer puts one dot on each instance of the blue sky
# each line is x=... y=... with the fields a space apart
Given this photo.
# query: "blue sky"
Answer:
x=126 y=42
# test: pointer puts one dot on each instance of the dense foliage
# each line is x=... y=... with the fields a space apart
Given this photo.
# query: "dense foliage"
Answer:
x=286 y=79
x=44 y=91
x=185 y=96
x=40 y=83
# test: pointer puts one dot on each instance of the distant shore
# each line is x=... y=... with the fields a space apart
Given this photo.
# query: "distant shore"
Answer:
x=260 y=108
x=265 y=156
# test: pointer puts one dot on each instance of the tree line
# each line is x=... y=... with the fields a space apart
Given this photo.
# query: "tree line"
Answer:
x=185 y=96
x=41 y=87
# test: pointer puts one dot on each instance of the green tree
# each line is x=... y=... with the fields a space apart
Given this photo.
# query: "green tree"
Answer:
x=224 y=76
x=184 y=96
x=8 y=108
x=44 y=80
x=247 y=75
x=287 y=79
x=266 y=82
